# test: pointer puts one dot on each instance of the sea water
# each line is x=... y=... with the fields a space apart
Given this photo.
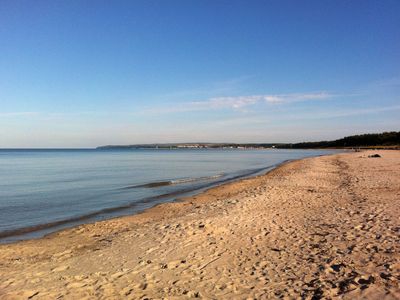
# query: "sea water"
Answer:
x=44 y=190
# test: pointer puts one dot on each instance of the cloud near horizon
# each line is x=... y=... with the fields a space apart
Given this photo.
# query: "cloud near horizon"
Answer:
x=240 y=102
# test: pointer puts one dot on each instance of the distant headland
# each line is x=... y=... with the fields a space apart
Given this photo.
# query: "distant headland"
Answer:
x=375 y=140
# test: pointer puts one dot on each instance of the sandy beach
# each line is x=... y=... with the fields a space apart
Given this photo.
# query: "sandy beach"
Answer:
x=325 y=227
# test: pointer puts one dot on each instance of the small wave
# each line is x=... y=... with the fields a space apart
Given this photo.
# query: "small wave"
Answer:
x=156 y=184
x=150 y=185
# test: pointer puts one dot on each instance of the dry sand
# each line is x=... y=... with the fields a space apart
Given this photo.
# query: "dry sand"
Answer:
x=325 y=227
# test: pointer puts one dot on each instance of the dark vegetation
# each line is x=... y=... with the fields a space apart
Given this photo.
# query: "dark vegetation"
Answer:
x=363 y=140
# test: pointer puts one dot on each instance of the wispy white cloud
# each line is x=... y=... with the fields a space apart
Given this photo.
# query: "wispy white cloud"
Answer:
x=240 y=102
x=285 y=98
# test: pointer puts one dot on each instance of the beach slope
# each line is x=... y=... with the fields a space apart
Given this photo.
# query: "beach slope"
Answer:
x=315 y=228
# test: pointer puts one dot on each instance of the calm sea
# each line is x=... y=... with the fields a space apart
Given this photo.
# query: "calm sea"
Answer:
x=42 y=191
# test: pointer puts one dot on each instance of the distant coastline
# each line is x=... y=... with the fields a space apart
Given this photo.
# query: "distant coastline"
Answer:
x=385 y=140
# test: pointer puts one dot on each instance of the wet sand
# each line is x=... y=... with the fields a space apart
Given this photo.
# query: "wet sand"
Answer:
x=325 y=227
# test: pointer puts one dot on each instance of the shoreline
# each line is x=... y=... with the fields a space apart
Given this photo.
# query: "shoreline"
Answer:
x=28 y=233
x=317 y=227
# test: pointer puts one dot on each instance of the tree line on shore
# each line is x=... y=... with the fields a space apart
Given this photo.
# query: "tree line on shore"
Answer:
x=363 y=140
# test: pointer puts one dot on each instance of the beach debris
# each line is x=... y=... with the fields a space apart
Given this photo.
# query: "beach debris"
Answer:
x=276 y=249
x=374 y=155
x=164 y=266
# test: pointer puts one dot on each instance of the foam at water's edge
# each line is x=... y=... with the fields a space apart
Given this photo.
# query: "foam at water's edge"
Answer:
x=156 y=184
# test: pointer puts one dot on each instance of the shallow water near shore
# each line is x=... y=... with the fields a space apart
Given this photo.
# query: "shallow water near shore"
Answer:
x=42 y=191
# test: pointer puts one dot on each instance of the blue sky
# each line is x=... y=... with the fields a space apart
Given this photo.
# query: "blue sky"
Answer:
x=88 y=73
